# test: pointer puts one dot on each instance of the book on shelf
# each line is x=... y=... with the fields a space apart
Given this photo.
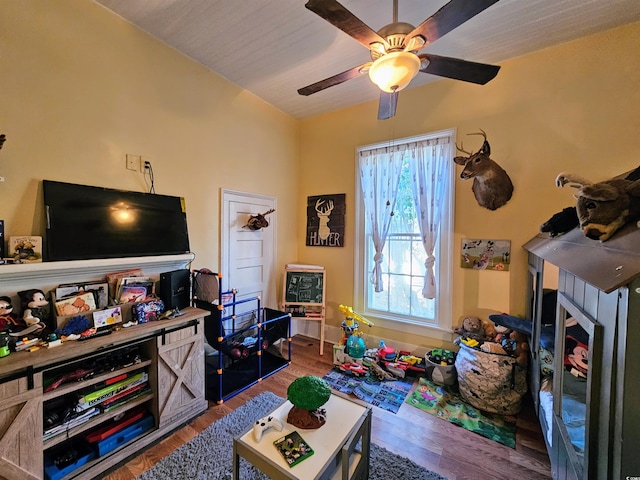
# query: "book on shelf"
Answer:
x=293 y=448
x=96 y=397
x=99 y=289
x=73 y=305
x=132 y=293
x=107 y=317
x=112 y=279
x=133 y=289
x=124 y=396
x=130 y=397
x=77 y=418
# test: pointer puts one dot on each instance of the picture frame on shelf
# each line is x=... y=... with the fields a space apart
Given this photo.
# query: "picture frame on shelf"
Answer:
x=25 y=248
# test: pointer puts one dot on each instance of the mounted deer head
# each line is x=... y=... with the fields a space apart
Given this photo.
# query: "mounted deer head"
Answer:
x=492 y=186
x=256 y=222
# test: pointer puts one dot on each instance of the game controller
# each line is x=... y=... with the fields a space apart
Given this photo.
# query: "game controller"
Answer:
x=264 y=424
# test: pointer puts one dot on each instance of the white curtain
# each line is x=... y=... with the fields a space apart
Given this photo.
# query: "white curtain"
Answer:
x=429 y=165
x=380 y=171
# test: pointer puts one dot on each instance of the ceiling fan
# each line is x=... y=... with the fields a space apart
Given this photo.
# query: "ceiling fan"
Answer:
x=393 y=49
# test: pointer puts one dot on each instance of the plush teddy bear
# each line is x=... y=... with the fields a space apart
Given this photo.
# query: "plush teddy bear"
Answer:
x=471 y=329
x=517 y=346
x=489 y=328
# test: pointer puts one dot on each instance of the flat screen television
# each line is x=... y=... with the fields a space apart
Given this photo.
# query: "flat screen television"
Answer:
x=85 y=222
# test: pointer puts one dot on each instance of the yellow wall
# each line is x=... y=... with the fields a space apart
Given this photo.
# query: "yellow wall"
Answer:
x=575 y=107
x=81 y=88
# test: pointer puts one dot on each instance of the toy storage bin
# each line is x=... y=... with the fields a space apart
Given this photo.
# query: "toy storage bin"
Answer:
x=126 y=435
x=490 y=382
x=56 y=472
x=441 y=374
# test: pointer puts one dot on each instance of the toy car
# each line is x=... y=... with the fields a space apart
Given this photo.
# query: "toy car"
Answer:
x=354 y=368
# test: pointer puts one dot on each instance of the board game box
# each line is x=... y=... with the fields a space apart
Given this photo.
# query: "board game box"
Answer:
x=293 y=448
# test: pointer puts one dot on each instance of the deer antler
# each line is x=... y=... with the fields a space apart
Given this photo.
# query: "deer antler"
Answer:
x=324 y=209
x=481 y=132
x=462 y=150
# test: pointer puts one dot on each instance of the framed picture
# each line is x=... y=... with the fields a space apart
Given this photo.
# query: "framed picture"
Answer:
x=26 y=249
x=325 y=220
x=486 y=254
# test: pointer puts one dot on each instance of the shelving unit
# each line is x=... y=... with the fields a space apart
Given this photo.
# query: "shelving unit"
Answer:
x=172 y=356
x=303 y=295
x=72 y=389
x=590 y=415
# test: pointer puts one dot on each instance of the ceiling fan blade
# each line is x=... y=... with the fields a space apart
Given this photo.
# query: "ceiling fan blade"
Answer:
x=338 y=16
x=335 y=80
x=458 y=69
x=387 y=105
x=452 y=15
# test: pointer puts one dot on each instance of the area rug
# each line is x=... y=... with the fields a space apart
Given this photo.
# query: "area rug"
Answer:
x=209 y=455
x=388 y=395
x=446 y=403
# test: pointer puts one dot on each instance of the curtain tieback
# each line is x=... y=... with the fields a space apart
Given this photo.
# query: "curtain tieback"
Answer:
x=430 y=262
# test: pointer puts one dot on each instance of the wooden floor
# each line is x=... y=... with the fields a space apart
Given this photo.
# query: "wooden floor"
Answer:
x=429 y=441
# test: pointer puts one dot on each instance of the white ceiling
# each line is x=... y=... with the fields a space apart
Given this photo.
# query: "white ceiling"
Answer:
x=274 y=47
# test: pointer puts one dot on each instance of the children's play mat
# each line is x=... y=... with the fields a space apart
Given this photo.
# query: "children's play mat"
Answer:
x=445 y=403
x=387 y=395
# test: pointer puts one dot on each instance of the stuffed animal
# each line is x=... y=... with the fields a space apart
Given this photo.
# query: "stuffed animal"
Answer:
x=602 y=208
x=561 y=222
x=489 y=328
x=493 y=347
x=9 y=321
x=471 y=329
x=520 y=348
x=35 y=309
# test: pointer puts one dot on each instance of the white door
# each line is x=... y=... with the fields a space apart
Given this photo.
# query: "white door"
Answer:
x=248 y=256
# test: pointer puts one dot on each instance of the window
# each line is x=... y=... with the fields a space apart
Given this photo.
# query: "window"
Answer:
x=404 y=190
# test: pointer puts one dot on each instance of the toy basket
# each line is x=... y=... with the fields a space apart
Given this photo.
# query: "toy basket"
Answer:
x=490 y=382
x=440 y=366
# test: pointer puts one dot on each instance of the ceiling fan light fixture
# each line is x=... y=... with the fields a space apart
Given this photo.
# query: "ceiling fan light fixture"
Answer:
x=393 y=72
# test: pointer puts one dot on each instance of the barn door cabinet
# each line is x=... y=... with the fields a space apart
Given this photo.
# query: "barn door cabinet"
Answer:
x=168 y=354
x=590 y=410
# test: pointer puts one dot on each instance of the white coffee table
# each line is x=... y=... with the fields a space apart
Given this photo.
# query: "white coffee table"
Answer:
x=334 y=444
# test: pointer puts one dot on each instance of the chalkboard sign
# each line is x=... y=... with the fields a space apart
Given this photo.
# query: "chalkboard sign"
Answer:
x=304 y=287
